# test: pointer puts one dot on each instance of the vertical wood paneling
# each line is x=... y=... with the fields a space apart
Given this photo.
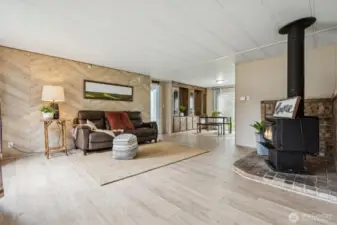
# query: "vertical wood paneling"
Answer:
x=22 y=75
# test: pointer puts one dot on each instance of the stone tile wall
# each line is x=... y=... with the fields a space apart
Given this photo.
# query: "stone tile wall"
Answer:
x=334 y=100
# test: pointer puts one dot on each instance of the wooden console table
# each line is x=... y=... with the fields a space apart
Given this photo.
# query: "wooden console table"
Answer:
x=61 y=123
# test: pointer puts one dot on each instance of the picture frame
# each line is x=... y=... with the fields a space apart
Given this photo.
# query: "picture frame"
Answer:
x=107 y=91
x=287 y=108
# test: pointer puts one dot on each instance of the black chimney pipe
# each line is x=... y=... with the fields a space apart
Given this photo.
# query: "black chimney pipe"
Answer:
x=295 y=31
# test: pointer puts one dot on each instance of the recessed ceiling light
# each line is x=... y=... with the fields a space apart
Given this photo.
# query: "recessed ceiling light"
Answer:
x=221 y=81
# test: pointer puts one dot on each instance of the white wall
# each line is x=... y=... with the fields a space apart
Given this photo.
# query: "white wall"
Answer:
x=267 y=80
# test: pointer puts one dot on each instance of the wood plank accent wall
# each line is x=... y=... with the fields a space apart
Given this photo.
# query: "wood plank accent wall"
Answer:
x=22 y=75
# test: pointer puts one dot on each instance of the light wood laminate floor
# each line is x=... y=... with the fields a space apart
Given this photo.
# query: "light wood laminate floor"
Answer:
x=200 y=190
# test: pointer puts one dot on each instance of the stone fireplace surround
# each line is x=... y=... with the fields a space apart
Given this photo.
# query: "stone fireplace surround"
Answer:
x=323 y=109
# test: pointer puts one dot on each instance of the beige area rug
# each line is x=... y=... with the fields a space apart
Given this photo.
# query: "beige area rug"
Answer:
x=104 y=169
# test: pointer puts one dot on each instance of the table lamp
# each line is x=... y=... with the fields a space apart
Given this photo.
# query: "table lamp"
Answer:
x=53 y=94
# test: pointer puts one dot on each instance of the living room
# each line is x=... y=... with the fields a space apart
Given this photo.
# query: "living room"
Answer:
x=128 y=112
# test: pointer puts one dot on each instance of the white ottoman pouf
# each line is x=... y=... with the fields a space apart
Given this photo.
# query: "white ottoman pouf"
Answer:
x=124 y=146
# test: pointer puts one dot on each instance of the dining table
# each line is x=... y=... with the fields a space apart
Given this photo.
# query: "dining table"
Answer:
x=224 y=120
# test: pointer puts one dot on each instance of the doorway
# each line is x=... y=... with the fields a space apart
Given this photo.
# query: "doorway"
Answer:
x=224 y=102
x=155 y=105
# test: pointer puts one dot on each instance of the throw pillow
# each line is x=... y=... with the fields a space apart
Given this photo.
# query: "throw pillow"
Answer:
x=127 y=122
x=91 y=125
x=115 y=120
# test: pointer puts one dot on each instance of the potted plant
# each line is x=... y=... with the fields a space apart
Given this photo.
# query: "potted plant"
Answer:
x=47 y=112
x=259 y=127
x=215 y=113
x=182 y=109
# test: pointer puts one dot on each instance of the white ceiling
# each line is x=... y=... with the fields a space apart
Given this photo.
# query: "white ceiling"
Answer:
x=191 y=41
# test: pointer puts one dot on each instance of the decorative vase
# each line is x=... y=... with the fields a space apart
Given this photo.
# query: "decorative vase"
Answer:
x=260 y=149
x=56 y=107
x=181 y=114
x=48 y=116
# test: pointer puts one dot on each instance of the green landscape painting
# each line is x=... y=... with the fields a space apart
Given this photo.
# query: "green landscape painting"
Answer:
x=107 y=96
x=106 y=91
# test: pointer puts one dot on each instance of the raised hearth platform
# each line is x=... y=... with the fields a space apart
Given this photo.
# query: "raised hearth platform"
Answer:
x=320 y=184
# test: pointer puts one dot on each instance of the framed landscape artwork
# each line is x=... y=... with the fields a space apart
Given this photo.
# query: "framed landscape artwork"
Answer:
x=107 y=91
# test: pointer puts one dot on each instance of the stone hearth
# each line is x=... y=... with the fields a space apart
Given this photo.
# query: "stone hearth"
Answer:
x=320 y=184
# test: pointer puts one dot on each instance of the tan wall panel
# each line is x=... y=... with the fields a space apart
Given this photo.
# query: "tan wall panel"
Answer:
x=168 y=110
x=162 y=108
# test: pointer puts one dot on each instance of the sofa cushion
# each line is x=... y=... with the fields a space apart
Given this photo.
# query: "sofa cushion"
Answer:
x=142 y=132
x=136 y=118
x=115 y=120
x=127 y=122
x=97 y=117
x=97 y=137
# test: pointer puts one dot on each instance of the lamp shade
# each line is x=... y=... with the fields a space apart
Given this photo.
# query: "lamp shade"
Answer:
x=52 y=93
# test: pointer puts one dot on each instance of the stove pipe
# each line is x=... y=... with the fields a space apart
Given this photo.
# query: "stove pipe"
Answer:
x=295 y=31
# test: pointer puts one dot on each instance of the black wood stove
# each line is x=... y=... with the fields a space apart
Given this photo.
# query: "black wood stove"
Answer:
x=289 y=140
